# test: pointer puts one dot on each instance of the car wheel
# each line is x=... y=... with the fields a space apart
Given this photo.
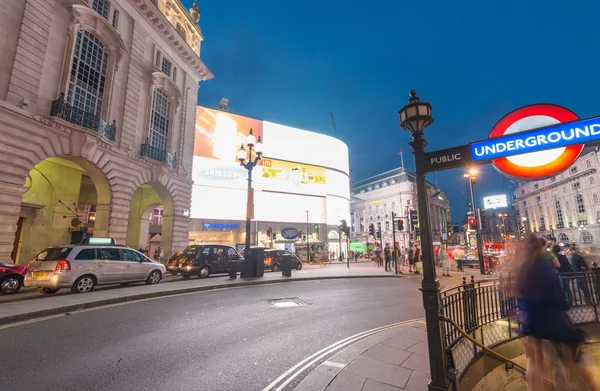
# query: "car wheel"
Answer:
x=10 y=284
x=47 y=291
x=275 y=267
x=84 y=284
x=204 y=272
x=299 y=266
x=154 y=277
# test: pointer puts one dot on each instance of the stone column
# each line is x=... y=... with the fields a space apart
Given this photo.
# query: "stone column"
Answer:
x=10 y=206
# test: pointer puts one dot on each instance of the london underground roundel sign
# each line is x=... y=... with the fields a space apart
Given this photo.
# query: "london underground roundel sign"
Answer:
x=540 y=164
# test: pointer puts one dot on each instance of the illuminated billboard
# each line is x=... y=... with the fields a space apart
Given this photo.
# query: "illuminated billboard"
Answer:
x=497 y=201
x=300 y=171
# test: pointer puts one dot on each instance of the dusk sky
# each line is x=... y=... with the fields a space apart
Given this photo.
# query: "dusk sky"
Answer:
x=295 y=62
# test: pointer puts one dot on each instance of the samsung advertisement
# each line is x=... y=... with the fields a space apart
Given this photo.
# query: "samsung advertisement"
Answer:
x=300 y=171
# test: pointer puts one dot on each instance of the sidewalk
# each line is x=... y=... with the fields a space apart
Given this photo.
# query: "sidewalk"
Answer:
x=41 y=305
x=392 y=360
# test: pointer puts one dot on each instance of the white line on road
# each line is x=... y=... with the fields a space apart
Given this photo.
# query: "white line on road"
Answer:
x=334 y=364
x=324 y=352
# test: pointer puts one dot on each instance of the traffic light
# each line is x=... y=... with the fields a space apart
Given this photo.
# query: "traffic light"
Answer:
x=400 y=225
x=274 y=236
x=300 y=233
x=472 y=224
x=378 y=230
x=414 y=219
x=418 y=231
x=269 y=232
x=372 y=229
x=304 y=238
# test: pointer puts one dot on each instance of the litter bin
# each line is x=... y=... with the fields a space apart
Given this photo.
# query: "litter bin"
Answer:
x=258 y=253
x=233 y=269
x=286 y=265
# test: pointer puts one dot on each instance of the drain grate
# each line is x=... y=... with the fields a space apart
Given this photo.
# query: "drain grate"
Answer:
x=288 y=302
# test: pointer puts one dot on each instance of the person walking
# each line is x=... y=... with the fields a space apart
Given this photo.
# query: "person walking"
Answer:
x=565 y=267
x=417 y=259
x=388 y=257
x=459 y=256
x=411 y=260
x=443 y=257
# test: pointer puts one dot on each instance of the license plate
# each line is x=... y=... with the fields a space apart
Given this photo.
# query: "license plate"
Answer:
x=39 y=275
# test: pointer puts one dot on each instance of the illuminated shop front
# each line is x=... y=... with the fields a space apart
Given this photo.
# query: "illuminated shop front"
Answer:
x=301 y=184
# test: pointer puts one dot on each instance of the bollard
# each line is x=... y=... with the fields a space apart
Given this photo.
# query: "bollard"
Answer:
x=233 y=270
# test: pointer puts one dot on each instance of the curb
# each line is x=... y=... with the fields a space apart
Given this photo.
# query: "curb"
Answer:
x=140 y=296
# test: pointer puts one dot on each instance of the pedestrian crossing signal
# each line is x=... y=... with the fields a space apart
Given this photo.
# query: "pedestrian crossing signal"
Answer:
x=400 y=225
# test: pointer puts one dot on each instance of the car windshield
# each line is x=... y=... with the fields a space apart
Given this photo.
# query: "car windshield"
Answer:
x=54 y=254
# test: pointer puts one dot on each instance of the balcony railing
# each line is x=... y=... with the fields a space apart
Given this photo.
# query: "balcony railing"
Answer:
x=159 y=154
x=63 y=110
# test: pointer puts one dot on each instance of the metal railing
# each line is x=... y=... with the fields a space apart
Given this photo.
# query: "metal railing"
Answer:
x=159 y=154
x=487 y=311
x=63 y=110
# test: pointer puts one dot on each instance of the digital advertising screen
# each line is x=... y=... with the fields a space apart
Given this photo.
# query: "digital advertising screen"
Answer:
x=496 y=201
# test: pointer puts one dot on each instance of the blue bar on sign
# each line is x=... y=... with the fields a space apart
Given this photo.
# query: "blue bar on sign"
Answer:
x=555 y=136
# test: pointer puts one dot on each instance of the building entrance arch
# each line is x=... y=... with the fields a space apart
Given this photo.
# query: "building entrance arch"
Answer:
x=66 y=199
x=150 y=221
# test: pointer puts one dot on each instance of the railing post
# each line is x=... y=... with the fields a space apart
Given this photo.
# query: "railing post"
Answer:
x=470 y=304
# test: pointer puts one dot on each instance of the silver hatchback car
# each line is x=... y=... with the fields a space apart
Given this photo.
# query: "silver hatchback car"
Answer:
x=82 y=267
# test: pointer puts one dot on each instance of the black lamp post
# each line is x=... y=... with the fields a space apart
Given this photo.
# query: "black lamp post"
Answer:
x=472 y=175
x=249 y=163
x=415 y=117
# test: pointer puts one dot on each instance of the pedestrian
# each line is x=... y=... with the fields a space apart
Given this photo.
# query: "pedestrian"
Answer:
x=565 y=267
x=411 y=260
x=542 y=313
x=459 y=256
x=443 y=256
x=388 y=257
x=417 y=260
x=579 y=265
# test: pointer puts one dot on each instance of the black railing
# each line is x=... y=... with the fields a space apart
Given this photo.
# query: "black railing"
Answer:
x=63 y=110
x=159 y=154
x=487 y=310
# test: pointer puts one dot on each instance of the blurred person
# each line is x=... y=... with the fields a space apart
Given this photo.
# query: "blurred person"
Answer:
x=443 y=256
x=411 y=260
x=459 y=256
x=542 y=314
x=565 y=267
x=578 y=264
x=417 y=259
x=387 y=253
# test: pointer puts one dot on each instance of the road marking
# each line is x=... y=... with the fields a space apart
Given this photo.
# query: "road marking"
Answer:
x=312 y=359
x=334 y=364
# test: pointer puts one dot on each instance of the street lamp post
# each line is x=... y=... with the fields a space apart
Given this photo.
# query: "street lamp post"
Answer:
x=415 y=117
x=472 y=175
x=307 y=239
x=248 y=162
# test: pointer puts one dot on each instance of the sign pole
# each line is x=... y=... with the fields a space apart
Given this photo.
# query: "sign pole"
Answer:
x=394 y=243
x=478 y=233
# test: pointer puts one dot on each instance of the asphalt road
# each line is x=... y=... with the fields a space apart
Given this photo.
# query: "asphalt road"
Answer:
x=222 y=340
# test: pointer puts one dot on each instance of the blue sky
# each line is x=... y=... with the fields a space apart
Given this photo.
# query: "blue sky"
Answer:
x=295 y=62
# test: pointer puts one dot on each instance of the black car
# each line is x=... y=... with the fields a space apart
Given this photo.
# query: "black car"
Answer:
x=273 y=259
x=204 y=259
x=172 y=263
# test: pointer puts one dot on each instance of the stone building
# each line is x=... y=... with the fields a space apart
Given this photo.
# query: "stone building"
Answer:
x=374 y=199
x=566 y=206
x=97 y=111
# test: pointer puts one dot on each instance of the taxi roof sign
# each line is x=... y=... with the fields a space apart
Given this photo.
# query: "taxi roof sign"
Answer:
x=99 y=241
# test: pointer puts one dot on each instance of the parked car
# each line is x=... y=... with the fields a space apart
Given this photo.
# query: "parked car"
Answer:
x=82 y=267
x=203 y=260
x=11 y=278
x=273 y=259
x=172 y=263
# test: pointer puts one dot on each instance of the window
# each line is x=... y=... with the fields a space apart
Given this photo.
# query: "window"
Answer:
x=220 y=253
x=542 y=223
x=109 y=254
x=588 y=163
x=579 y=203
x=559 y=216
x=563 y=238
x=88 y=73
x=174 y=74
x=538 y=198
x=536 y=186
x=592 y=180
x=587 y=237
x=232 y=254
x=115 y=18
x=206 y=251
x=407 y=202
x=576 y=185
x=362 y=224
x=181 y=31
x=595 y=198
x=133 y=256
x=573 y=170
x=387 y=225
x=553 y=179
x=159 y=121
x=166 y=67
x=522 y=191
x=87 y=254
x=157 y=59
x=102 y=7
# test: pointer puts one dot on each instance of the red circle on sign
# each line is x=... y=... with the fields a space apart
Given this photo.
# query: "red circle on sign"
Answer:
x=569 y=155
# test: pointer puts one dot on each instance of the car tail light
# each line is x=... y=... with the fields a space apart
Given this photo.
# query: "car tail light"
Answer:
x=190 y=263
x=63 y=266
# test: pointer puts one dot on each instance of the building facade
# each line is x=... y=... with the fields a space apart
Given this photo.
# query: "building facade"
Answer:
x=301 y=184
x=374 y=199
x=566 y=206
x=97 y=105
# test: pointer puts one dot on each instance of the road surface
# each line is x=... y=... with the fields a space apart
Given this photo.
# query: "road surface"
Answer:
x=231 y=339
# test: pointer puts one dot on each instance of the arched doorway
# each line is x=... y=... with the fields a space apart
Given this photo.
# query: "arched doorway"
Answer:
x=150 y=223
x=333 y=244
x=66 y=200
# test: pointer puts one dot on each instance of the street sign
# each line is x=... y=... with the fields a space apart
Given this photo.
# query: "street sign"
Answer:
x=448 y=158
x=536 y=141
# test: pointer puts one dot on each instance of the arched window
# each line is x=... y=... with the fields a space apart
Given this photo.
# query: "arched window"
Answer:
x=563 y=238
x=159 y=120
x=587 y=237
x=181 y=31
x=87 y=79
x=362 y=225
